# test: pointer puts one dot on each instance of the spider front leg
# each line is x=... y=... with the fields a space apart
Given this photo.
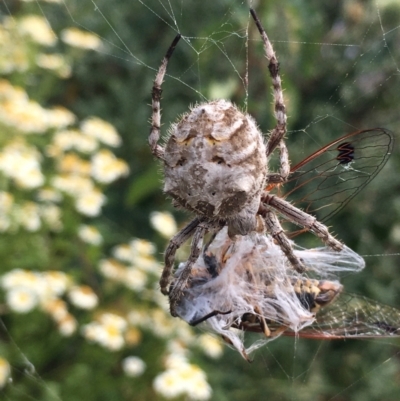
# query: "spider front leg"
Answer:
x=176 y=292
x=277 y=134
x=276 y=231
x=156 y=149
x=302 y=219
x=170 y=252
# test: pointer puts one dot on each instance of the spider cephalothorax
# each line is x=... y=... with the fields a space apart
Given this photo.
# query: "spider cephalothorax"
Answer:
x=215 y=164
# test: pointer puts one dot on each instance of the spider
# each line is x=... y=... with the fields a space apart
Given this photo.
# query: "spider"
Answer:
x=216 y=165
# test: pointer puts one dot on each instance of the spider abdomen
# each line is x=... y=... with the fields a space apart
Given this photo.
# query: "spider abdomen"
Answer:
x=215 y=161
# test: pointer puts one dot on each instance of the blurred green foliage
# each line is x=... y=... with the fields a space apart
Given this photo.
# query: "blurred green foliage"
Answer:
x=340 y=67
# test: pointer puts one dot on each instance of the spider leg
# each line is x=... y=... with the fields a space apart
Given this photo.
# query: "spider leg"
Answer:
x=284 y=171
x=277 y=134
x=303 y=219
x=212 y=238
x=176 y=292
x=276 y=230
x=156 y=149
x=170 y=252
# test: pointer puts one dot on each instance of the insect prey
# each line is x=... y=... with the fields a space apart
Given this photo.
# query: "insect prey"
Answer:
x=248 y=284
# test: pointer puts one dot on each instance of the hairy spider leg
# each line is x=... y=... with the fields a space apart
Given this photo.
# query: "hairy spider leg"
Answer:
x=170 y=252
x=156 y=149
x=275 y=229
x=301 y=218
x=278 y=133
x=176 y=292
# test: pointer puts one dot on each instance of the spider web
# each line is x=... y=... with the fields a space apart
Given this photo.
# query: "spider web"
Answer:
x=221 y=56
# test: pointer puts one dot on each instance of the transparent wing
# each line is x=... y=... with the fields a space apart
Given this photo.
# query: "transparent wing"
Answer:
x=328 y=179
x=353 y=316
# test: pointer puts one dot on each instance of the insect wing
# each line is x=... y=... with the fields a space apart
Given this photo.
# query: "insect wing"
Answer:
x=353 y=316
x=328 y=179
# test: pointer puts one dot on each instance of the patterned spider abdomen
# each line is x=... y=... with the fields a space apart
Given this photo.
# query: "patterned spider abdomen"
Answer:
x=215 y=164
